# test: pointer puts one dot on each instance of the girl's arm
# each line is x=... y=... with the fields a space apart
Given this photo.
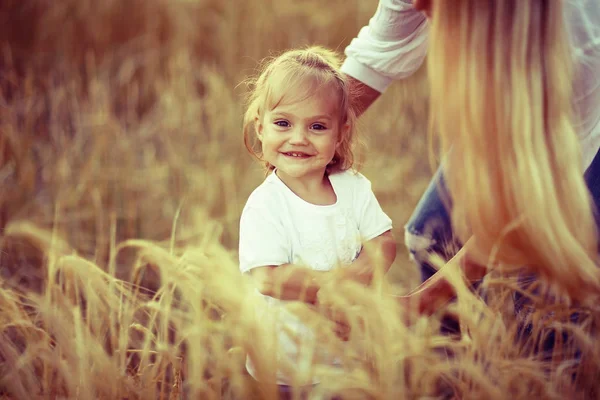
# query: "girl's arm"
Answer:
x=295 y=282
x=288 y=282
x=379 y=252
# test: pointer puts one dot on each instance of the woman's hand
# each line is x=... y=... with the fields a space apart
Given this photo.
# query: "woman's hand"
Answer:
x=437 y=291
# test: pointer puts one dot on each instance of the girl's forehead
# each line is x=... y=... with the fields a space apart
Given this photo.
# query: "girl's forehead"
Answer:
x=284 y=91
x=312 y=107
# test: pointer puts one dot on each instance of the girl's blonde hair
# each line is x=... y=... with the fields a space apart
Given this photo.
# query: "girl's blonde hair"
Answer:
x=296 y=75
x=500 y=75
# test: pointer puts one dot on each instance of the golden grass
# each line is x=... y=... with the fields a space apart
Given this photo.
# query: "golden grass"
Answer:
x=123 y=175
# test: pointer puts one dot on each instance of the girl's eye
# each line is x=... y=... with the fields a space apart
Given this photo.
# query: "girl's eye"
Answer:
x=318 y=127
x=283 y=124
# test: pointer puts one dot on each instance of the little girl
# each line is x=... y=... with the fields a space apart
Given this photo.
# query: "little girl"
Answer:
x=313 y=212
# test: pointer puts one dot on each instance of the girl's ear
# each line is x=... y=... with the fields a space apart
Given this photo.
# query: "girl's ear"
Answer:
x=258 y=127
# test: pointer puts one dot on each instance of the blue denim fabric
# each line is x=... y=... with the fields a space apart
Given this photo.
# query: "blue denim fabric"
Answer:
x=431 y=220
x=592 y=179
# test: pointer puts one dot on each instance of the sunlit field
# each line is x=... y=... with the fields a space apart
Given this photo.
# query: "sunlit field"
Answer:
x=122 y=178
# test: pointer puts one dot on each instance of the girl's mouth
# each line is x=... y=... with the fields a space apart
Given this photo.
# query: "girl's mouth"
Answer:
x=296 y=154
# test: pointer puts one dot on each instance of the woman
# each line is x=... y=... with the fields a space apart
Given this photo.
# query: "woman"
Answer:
x=522 y=51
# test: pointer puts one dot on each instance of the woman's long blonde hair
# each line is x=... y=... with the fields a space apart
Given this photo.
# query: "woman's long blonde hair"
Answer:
x=501 y=78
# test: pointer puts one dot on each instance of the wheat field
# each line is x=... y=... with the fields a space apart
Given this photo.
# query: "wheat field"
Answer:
x=123 y=175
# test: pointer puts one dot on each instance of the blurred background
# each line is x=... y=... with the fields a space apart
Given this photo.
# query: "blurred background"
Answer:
x=121 y=156
x=122 y=119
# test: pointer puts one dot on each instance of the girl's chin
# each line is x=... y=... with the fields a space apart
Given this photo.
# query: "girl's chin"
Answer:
x=300 y=173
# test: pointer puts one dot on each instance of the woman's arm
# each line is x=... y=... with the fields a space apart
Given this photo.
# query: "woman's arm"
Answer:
x=390 y=47
x=437 y=291
x=364 y=95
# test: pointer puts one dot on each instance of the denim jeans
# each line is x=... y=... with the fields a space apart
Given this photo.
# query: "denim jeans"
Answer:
x=429 y=229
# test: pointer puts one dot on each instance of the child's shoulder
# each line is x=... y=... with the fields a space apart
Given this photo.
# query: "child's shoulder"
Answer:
x=350 y=177
x=265 y=195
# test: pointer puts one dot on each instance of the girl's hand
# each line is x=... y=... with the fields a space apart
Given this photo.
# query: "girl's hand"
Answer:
x=342 y=326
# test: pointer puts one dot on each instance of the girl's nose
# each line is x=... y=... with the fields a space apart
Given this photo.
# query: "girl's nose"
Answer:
x=298 y=136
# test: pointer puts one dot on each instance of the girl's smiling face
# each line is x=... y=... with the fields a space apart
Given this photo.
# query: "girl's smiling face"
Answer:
x=300 y=138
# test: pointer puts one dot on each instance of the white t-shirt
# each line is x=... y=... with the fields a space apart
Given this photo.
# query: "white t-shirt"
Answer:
x=278 y=227
x=394 y=44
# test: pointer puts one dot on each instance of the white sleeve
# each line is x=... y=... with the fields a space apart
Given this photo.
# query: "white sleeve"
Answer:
x=262 y=239
x=392 y=46
x=372 y=220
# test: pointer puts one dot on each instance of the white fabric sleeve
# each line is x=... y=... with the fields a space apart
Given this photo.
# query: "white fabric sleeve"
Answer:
x=392 y=46
x=372 y=220
x=262 y=239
